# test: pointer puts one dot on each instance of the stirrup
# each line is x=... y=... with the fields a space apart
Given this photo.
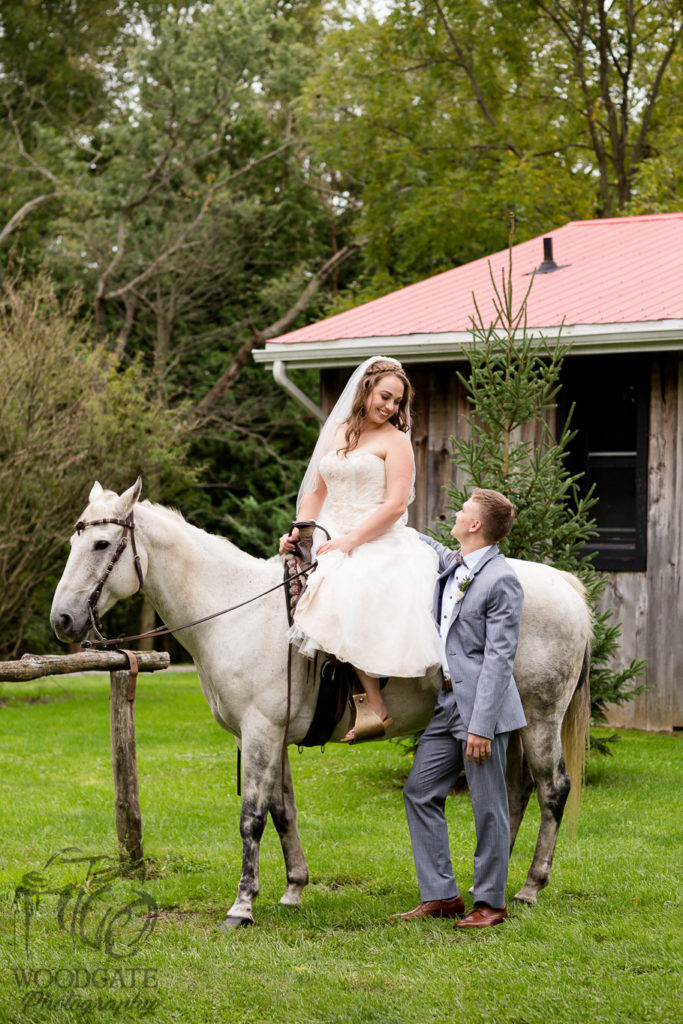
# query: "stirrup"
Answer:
x=368 y=725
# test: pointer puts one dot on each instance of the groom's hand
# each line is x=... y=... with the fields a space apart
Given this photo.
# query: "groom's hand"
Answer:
x=478 y=748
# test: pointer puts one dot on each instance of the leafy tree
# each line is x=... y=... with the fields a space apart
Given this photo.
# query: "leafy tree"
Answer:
x=438 y=119
x=68 y=415
x=197 y=222
x=54 y=53
x=616 y=59
x=57 y=60
x=186 y=209
x=512 y=383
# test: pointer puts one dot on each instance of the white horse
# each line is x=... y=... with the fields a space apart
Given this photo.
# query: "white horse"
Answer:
x=241 y=661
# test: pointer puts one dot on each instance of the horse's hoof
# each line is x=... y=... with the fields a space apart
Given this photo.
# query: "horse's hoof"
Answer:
x=291 y=897
x=231 y=923
x=522 y=900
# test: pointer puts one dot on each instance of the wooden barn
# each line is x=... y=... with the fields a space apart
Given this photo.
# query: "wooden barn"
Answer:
x=615 y=290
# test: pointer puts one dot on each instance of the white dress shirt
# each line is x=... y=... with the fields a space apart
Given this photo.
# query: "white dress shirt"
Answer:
x=452 y=594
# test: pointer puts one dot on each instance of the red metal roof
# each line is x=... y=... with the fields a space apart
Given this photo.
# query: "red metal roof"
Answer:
x=613 y=271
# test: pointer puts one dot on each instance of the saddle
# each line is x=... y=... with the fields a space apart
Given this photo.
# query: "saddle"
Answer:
x=333 y=694
x=339 y=686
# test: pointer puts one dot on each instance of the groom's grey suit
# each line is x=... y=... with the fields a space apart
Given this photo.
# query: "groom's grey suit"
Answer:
x=480 y=648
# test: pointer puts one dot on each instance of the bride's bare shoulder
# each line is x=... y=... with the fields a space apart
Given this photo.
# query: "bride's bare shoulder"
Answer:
x=398 y=441
x=339 y=439
x=397 y=447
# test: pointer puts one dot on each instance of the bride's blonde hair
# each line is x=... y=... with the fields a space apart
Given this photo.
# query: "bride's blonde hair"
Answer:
x=370 y=379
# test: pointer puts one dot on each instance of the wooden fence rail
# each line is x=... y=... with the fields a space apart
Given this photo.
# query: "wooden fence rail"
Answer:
x=123 y=670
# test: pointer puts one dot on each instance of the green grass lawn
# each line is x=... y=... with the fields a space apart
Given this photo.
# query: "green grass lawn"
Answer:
x=602 y=945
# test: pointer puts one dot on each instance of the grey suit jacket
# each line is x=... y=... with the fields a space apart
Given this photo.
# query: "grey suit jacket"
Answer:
x=482 y=641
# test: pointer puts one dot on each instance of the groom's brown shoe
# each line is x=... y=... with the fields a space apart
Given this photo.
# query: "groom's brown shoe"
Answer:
x=483 y=917
x=454 y=907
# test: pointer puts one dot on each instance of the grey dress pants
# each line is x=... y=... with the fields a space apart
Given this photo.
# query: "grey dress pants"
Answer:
x=439 y=760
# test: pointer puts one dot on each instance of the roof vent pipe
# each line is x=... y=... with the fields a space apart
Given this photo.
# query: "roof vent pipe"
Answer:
x=549 y=263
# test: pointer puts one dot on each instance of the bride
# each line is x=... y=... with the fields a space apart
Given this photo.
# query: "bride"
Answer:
x=369 y=601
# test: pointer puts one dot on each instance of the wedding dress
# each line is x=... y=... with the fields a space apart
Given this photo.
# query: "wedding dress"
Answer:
x=371 y=607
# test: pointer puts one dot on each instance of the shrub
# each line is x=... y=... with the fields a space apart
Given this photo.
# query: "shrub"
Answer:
x=68 y=416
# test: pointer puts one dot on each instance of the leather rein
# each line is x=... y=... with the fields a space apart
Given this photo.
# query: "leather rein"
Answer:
x=128 y=525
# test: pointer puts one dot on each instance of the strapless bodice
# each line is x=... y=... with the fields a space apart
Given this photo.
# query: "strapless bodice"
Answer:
x=356 y=485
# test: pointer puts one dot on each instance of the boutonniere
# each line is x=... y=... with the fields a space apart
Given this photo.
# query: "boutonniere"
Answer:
x=463 y=585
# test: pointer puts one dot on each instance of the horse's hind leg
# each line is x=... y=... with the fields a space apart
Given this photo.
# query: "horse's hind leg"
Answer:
x=520 y=784
x=543 y=750
x=283 y=813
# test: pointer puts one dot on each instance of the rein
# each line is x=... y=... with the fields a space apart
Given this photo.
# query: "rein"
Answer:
x=128 y=525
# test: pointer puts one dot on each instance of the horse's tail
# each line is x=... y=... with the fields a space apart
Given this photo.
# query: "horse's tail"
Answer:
x=575 y=732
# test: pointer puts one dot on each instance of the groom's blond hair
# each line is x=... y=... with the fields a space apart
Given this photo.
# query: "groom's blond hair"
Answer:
x=497 y=513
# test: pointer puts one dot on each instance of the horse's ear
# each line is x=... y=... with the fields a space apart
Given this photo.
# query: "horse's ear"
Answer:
x=129 y=497
x=96 y=492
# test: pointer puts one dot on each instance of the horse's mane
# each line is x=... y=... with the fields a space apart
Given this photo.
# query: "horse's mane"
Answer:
x=166 y=509
x=215 y=538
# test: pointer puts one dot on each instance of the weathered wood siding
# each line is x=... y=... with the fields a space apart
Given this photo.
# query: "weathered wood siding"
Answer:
x=439 y=413
x=648 y=605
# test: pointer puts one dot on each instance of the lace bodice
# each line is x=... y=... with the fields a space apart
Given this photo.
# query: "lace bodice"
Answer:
x=356 y=485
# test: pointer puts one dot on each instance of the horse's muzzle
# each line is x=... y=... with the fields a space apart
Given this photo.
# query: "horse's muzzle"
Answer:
x=67 y=627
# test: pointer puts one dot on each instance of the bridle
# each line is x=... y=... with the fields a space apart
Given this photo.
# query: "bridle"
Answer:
x=128 y=525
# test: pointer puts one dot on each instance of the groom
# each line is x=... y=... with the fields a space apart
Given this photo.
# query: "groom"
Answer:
x=478 y=607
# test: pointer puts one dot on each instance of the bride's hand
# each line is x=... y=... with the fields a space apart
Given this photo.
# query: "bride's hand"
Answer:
x=286 y=541
x=345 y=544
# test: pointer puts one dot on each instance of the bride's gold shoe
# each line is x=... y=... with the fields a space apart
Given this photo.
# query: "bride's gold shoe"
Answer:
x=368 y=725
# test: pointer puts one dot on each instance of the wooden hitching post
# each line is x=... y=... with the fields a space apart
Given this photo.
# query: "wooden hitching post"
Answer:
x=124 y=763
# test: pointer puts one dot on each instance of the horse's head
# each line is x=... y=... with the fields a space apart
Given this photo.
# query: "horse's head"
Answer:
x=93 y=547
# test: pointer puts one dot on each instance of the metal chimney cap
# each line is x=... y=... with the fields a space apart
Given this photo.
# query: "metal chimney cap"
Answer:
x=548 y=266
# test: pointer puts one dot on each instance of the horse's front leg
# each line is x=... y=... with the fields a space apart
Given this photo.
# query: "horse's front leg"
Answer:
x=283 y=812
x=543 y=749
x=261 y=747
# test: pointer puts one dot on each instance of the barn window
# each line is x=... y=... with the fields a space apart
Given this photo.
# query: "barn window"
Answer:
x=611 y=397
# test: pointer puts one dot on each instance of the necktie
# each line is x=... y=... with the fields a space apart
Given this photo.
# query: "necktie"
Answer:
x=459 y=560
